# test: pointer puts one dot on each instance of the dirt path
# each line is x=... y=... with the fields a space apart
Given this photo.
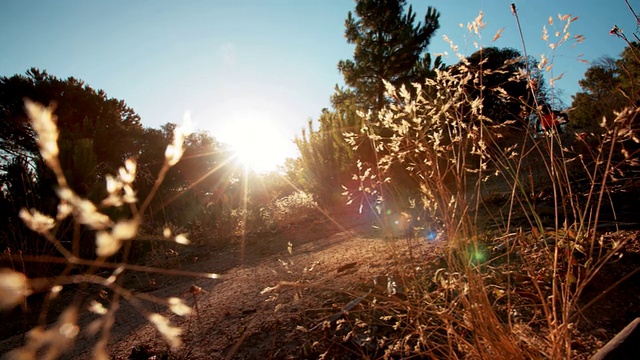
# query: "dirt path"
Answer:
x=235 y=317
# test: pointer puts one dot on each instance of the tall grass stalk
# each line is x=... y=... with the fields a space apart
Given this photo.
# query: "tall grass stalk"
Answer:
x=440 y=134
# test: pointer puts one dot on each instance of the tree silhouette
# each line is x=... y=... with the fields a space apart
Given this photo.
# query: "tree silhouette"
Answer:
x=389 y=47
x=87 y=118
x=609 y=85
x=505 y=94
x=97 y=134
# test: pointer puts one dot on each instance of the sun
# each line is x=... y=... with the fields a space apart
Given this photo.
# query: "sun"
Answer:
x=256 y=140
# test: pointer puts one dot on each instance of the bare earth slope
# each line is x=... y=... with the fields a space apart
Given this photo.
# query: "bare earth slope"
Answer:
x=236 y=317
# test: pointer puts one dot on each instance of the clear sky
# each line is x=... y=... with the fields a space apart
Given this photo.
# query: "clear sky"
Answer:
x=230 y=62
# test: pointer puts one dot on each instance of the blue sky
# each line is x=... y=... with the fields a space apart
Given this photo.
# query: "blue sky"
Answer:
x=224 y=61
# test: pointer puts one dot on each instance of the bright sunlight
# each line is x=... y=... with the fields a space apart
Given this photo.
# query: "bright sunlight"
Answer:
x=256 y=139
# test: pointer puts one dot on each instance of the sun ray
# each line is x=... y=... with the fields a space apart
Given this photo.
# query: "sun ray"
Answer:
x=199 y=180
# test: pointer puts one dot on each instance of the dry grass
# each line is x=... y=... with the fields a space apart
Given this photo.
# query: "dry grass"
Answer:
x=111 y=237
x=513 y=292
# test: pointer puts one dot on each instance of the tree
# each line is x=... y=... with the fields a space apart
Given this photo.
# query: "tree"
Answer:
x=97 y=133
x=629 y=73
x=389 y=47
x=599 y=96
x=505 y=95
x=609 y=85
x=197 y=181
x=326 y=159
x=18 y=183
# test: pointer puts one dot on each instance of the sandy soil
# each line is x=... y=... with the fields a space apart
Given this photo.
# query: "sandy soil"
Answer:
x=235 y=316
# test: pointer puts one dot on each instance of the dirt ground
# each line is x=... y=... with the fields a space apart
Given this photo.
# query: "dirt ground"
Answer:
x=240 y=315
x=268 y=298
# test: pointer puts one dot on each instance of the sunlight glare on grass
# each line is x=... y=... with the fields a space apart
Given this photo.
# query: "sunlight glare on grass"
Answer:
x=255 y=139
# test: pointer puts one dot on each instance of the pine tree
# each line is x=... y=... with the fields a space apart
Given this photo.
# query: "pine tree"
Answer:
x=327 y=160
x=599 y=97
x=389 y=46
x=609 y=85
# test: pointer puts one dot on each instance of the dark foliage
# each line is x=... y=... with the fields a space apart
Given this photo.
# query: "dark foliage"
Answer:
x=390 y=46
x=609 y=85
